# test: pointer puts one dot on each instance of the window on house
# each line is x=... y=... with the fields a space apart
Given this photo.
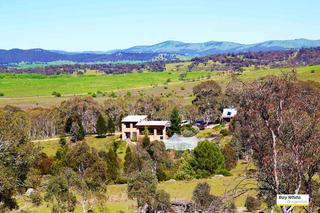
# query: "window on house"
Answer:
x=127 y=134
x=159 y=131
x=228 y=113
x=151 y=131
x=127 y=125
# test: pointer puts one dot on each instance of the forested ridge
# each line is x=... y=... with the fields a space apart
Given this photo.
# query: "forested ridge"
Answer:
x=218 y=62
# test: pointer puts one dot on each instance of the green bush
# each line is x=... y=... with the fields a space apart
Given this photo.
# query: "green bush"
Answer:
x=252 y=204
x=36 y=198
x=161 y=173
x=134 y=138
x=188 y=131
x=62 y=140
x=223 y=172
x=230 y=156
x=121 y=180
x=33 y=179
x=185 y=172
x=56 y=94
x=112 y=95
x=207 y=159
x=129 y=94
x=224 y=132
x=1 y=94
x=162 y=202
x=201 y=197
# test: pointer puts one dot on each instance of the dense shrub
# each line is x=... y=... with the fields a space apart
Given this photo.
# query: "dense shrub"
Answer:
x=146 y=139
x=230 y=156
x=56 y=94
x=121 y=180
x=252 y=204
x=1 y=94
x=162 y=201
x=201 y=197
x=113 y=95
x=207 y=159
x=33 y=179
x=36 y=198
x=45 y=164
x=223 y=172
x=188 y=131
x=62 y=140
x=185 y=172
x=101 y=126
x=224 y=132
x=175 y=121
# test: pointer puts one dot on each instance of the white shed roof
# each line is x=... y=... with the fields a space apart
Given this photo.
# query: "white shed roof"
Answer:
x=134 y=118
x=229 y=112
x=154 y=123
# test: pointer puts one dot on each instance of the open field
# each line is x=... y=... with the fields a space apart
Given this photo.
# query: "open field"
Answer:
x=26 y=85
x=30 y=90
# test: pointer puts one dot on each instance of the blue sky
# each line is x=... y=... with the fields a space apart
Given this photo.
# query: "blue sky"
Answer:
x=78 y=25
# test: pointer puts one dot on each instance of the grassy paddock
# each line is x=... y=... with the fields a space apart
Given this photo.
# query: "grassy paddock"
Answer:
x=32 y=90
x=26 y=85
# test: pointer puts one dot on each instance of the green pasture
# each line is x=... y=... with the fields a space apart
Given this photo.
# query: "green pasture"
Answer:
x=33 y=90
x=26 y=85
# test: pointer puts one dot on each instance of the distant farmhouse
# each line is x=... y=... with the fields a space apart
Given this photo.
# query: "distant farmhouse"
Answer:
x=133 y=127
x=228 y=114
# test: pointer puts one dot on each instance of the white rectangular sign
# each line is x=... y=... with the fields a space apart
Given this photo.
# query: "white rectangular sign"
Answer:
x=293 y=200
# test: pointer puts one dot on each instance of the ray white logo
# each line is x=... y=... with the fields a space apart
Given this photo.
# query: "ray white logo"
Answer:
x=293 y=200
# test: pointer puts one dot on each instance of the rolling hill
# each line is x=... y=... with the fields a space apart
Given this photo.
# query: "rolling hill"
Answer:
x=220 y=47
x=40 y=55
x=165 y=51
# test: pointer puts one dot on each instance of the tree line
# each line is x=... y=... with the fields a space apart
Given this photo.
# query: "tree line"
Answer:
x=258 y=60
x=80 y=69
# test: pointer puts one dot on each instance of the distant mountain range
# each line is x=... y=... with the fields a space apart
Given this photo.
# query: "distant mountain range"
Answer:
x=167 y=50
x=220 y=47
x=40 y=55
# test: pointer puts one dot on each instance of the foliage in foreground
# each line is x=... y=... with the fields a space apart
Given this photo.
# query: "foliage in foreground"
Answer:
x=282 y=128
